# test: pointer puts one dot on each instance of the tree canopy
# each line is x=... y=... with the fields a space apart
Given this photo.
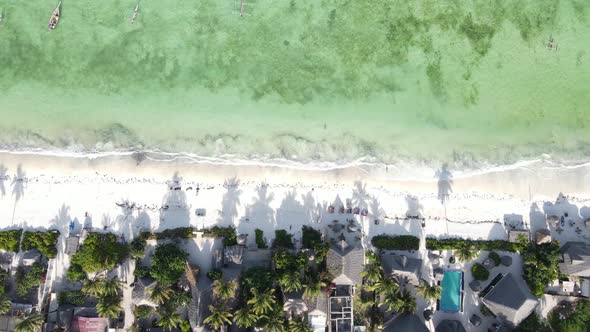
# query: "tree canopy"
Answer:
x=100 y=252
x=168 y=264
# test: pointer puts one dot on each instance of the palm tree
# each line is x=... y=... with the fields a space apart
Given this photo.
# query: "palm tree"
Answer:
x=275 y=322
x=389 y=300
x=109 y=306
x=218 y=318
x=388 y=285
x=5 y=305
x=405 y=303
x=169 y=319
x=159 y=293
x=298 y=324
x=32 y=323
x=244 y=317
x=466 y=252
x=291 y=281
x=313 y=289
x=428 y=292
x=93 y=287
x=225 y=289
x=262 y=303
x=372 y=273
x=111 y=287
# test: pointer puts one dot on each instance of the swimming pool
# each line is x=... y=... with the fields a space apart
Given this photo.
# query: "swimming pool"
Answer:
x=450 y=295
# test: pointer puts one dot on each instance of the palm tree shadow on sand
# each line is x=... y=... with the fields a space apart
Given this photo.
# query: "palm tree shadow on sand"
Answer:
x=18 y=187
x=3 y=178
x=445 y=183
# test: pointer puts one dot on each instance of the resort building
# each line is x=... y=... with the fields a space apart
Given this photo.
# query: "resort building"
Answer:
x=406 y=323
x=401 y=265
x=345 y=263
x=317 y=314
x=510 y=300
x=575 y=259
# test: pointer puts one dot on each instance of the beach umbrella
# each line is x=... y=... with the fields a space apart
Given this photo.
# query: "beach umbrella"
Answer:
x=475 y=286
x=428 y=314
x=488 y=263
x=506 y=260
x=475 y=320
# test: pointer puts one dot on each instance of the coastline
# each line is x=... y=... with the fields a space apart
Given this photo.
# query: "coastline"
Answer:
x=276 y=197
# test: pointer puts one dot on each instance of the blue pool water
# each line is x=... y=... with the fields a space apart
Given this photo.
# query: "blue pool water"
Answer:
x=450 y=296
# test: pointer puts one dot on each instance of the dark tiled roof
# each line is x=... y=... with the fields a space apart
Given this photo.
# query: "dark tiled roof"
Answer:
x=510 y=299
x=405 y=323
x=346 y=260
x=448 y=325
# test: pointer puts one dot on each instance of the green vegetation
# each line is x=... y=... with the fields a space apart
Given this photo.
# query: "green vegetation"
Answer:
x=175 y=233
x=168 y=264
x=214 y=274
x=31 y=323
x=392 y=242
x=570 y=317
x=466 y=252
x=495 y=258
x=454 y=244
x=141 y=271
x=260 y=239
x=534 y=323
x=224 y=290
x=282 y=239
x=44 y=242
x=288 y=267
x=71 y=297
x=9 y=240
x=3 y=279
x=75 y=273
x=169 y=319
x=310 y=237
x=255 y=278
x=479 y=272
x=143 y=311
x=108 y=292
x=159 y=294
x=218 y=318
x=137 y=247
x=28 y=278
x=100 y=252
x=540 y=266
x=228 y=234
x=427 y=291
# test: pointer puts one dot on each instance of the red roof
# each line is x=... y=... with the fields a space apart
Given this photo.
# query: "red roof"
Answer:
x=83 y=324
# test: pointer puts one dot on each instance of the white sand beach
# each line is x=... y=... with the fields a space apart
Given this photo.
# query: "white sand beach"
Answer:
x=40 y=191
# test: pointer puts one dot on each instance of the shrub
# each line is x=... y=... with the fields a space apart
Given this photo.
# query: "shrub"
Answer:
x=27 y=280
x=282 y=239
x=401 y=242
x=495 y=257
x=3 y=279
x=289 y=262
x=175 y=233
x=75 y=273
x=310 y=237
x=228 y=234
x=214 y=274
x=452 y=244
x=100 y=252
x=570 y=319
x=168 y=264
x=256 y=278
x=137 y=247
x=143 y=311
x=479 y=272
x=260 y=239
x=141 y=271
x=44 y=242
x=72 y=297
x=540 y=266
x=9 y=240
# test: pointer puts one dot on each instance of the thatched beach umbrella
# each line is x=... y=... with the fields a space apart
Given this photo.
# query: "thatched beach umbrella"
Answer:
x=475 y=320
x=506 y=260
x=475 y=286
x=488 y=263
x=428 y=314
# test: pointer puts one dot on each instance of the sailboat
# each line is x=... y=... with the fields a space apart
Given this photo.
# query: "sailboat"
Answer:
x=54 y=18
x=134 y=15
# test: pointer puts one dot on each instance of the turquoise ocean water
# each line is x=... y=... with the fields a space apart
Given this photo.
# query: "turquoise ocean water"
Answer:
x=325 y=80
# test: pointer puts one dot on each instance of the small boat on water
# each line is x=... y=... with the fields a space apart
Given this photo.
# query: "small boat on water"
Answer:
x=134 y=15
x=54 y=18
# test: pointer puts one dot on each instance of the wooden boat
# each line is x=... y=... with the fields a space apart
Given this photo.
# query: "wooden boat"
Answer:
x=54 y=18
x=134 y=15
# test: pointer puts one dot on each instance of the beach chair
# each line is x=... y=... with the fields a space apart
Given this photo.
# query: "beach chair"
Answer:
x=330 y=209
x=364 y=212
x=356 y=210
